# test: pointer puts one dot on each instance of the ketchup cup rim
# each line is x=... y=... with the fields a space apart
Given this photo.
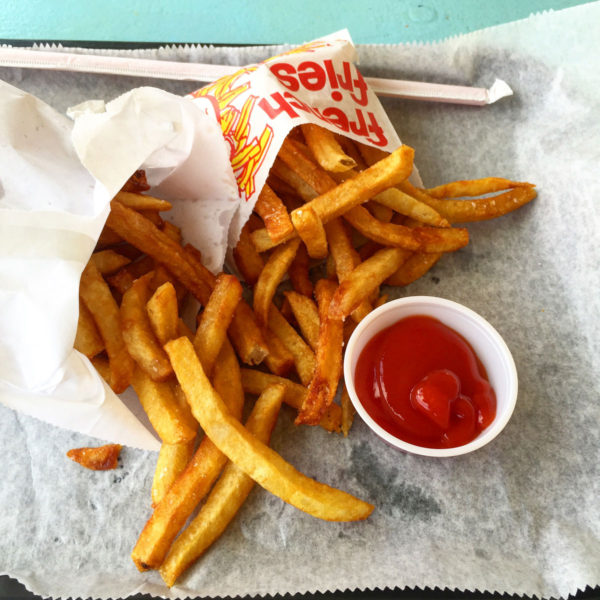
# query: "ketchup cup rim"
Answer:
x=503 y=366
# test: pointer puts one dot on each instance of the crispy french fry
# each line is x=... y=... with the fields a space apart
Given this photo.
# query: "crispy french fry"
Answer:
x=172 y=231
x=270 y=277
x=256 y=459
x=345 y=259
x=247 y=259
x=107 y=238
x=404 y=204
x=326 y=150
x=293 y=180
x=87 y=338
x=142 y=201
x=479 y=209
x=216 y=318
x=279 y=360
x=414 y=267
x=365 y=278
x=195 y=481
x=255 y=382
x=109 y=261
x=163 y=410
x=163 y=313
x=137 y=183
x=102 y=365
x=304 y=358
x=311 y=231
x=384 y=174
x=97 y=297
x=100 y=458
x=306 y=315
x=142 y=344
x=274 y=214
x=474 y=187
x=172 y=460
x=348 y=411
x=245 y=334
x=424 y=239
x=299 y=273
x=227 y=496
x=324 y=383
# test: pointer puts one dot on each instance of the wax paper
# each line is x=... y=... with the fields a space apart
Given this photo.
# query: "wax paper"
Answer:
x=520 y=515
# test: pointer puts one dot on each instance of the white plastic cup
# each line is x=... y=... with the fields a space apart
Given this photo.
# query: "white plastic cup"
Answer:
x=486 y=342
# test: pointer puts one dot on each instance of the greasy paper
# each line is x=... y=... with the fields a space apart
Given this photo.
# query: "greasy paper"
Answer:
x=520 y=515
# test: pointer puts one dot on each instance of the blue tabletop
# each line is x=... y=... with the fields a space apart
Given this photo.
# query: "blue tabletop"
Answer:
x=257 y=21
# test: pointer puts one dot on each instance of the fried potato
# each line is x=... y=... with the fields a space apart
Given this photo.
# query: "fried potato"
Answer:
x=483 y=209
x=306 y=315
x=163 y=312
x=311 y=231
x=97 y=297
x=270 y=277
x=195 y=481
x=101 y=458
x=274 y=214
x=109 y=261
x=87 y=338
x=172 y=460
x=255 y=382
x=475 y=187
x=299 y=272
x=326 y=149
x=216 y=318
x=164 y=412
x=142 y=344
x=424 y=239
x=348 y=411
x=365 y=278
x=324 y=383
x=247 y=259
x=279 y=360
x=256 y=459
x=142 y=201
x=413 y=268
x=304 y=358
x=227 y=496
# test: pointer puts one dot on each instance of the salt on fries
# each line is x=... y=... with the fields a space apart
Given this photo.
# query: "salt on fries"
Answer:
x=335 y=221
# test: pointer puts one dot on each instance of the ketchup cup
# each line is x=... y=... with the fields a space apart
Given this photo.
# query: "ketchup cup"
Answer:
x=486 y=342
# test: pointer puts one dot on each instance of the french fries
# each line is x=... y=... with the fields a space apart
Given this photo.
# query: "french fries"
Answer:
x=253 y=457
x=335 y=221
x=226 y=497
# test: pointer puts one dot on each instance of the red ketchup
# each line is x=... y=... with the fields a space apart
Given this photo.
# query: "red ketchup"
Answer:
x=422 y=382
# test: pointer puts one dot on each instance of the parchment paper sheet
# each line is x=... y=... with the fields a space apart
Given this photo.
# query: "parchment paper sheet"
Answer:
x=519 y=516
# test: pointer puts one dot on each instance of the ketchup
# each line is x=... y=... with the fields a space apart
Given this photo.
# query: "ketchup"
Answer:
x=422 y=382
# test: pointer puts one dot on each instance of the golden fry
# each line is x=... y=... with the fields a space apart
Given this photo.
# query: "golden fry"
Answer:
x=100 y=458
x=304 y=358
x=299 y=273
x=311 y=231
x=365 y=278
x=141 y=342
x=195 y=481
x=275 y=268
x=307 y=316
x=474 y=187
x=247 y=259
x=163 y=313
x=142 y=201
x=109 y=261
x=87 y=339
x=326 y=150
x=256 y=459
x=96 y=295
x=172 y=460
x=255 y=382
x=163 y=410
x=274 y=214
x=216 y=318
x=324 y=383
x=227 y=496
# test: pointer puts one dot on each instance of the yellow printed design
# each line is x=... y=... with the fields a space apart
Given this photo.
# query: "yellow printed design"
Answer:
x=246 y=153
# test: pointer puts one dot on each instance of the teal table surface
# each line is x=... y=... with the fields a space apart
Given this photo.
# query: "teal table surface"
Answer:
x=256 y=22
